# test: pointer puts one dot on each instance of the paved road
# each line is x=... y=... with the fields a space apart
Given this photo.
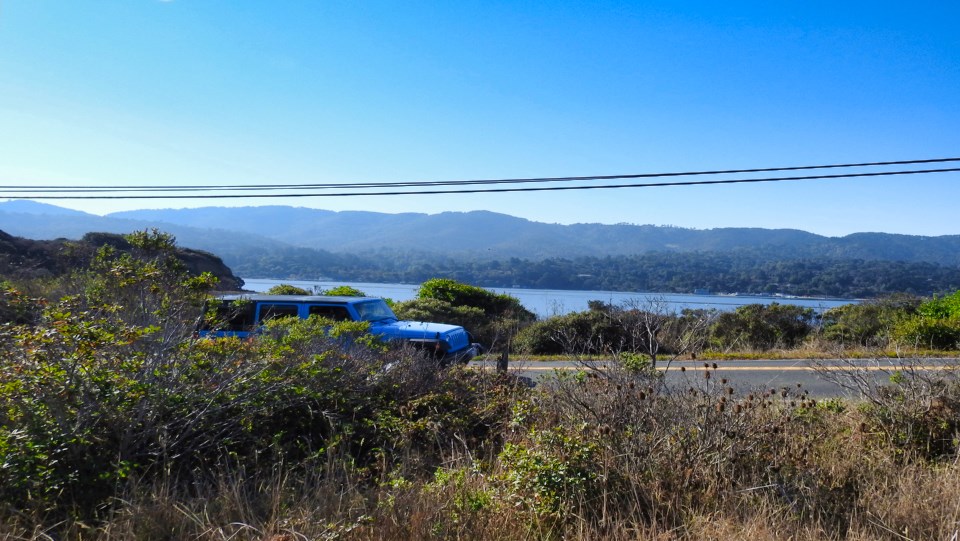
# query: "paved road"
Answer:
x=752 y=375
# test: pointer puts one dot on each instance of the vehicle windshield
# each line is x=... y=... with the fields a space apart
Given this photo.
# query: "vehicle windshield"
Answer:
x=376 y=310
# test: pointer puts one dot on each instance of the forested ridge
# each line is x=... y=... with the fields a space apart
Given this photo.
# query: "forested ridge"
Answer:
x=736 y=272
x=496 y=250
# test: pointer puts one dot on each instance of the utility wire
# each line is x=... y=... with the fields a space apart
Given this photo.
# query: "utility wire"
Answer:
x=412 y=184
x=504 y=190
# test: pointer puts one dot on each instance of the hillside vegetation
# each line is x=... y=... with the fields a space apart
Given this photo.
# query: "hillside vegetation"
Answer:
x=116 y=424
x=22 y=258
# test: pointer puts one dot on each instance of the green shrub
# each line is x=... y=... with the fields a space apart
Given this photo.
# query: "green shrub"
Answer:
x=934 y=325
x=762 y=327
x=491 y=318
x=345 y=291
x=552 y=472
x=459 y=294
x=287 y=289
x=590 y=332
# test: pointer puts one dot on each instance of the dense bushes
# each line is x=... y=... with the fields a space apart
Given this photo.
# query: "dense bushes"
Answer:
x=85 y=408
x=762 y=327
x=105 y=387
x=492 y=318
x=899 y=321
x=590 y=332
x=112 y=427
x=868 y=324
x=651 y=328
x=934 y=325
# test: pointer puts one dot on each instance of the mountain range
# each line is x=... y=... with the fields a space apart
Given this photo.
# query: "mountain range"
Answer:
x=478 y=235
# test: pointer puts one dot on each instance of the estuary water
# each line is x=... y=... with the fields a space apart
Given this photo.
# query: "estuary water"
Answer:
x=551 y=302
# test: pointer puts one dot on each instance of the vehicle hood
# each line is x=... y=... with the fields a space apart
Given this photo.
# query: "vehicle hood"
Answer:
x=414 y=329
x=452 y=338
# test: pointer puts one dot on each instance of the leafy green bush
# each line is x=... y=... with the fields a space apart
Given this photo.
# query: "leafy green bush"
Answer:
x=866 y=324
x=17 y=307
x=590 y=332
x=468 y=317
x=762 y=327
x=491 y=318
x=552 y=472
x=934 y=325
x=287 y=289
x=459 y=294
x=345 y=291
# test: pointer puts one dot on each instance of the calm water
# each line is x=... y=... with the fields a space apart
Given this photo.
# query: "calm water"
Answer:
x=549 y=302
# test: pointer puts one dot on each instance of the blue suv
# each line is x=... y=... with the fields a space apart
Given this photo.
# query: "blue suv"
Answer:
x=242 y=314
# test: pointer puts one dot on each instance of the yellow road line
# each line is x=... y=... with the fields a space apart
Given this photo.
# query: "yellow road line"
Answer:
x=721 y=368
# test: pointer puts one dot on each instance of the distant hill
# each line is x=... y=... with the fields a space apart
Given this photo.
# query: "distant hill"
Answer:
x=497 y=250
x=488 y=235
x=478 y=235
x=22 y=206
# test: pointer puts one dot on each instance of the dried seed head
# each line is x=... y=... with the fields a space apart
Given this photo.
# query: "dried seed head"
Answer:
x=642 y=395
x=730 y=390
x=738 y=408
x=706 y=375
x=683 y=368
x=723 y=381
x=720 y=407
x=714 y=366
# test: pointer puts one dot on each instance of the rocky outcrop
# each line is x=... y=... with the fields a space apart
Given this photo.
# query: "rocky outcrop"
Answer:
x=22 y=258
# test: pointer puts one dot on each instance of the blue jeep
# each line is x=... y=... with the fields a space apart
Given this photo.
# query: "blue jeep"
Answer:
x=241 y=315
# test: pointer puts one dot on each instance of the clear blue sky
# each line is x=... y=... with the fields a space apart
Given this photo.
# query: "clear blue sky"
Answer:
x=151 y=92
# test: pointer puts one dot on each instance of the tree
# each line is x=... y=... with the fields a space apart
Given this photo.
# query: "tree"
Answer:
x=495 y=317
x=762 y=327
x=935 y=324
x=345 y=291
x=287 y=289
x=869 y=323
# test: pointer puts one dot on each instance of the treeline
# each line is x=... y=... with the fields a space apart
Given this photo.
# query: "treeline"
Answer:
x=742 y=272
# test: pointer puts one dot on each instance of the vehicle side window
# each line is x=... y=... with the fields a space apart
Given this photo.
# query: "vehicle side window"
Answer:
x=272 y=311
x=336 y=313
x=238 y=316
x=230 y=316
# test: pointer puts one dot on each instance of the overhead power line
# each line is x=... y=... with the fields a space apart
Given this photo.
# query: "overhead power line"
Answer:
x=113 y=192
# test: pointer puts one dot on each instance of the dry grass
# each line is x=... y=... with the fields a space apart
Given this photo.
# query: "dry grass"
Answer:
x=616 y=456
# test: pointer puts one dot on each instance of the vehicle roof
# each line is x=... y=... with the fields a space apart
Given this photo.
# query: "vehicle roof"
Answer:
x=329 y=299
